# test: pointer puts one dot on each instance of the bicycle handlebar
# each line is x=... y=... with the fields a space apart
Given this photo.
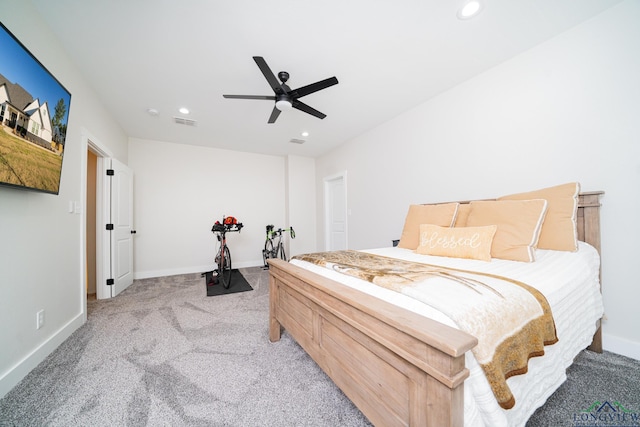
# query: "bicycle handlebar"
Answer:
x=223 y=228
x=271 y=232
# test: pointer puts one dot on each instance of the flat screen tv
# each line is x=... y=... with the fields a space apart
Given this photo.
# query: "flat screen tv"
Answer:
x=34 y=110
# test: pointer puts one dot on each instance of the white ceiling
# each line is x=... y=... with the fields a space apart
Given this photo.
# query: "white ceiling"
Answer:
x=388 y=56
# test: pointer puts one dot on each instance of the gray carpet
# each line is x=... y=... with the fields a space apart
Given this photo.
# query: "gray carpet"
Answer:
x=163 y=353
x=601 y=390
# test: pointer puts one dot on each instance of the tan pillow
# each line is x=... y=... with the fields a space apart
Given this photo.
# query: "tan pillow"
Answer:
x=460 y=242
x=559 y=230
x=519 y=223
x=462 y=215
x=443 y=214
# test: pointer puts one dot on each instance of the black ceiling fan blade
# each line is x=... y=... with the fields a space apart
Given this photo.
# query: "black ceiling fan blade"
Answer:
x=265 y=97
x=304 y=107
x=314 y=87
x=268 y=74
x=274 y=115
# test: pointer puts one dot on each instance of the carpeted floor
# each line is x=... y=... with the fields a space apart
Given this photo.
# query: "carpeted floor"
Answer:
x=593 y=382
x=164 y=354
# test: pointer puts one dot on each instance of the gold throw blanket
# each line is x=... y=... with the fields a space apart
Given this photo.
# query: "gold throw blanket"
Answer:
x=511 y=320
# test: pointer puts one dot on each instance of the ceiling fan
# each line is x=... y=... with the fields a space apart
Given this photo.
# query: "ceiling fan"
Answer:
x=285 y=97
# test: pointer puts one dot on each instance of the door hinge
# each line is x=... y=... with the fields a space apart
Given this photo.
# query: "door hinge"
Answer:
x=110 y=282
x=109 y=226
x=110 y=172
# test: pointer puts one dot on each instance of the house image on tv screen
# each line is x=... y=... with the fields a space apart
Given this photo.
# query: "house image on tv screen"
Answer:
x=27 y=117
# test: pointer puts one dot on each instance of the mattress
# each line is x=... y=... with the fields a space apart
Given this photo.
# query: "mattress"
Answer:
x=570 y=283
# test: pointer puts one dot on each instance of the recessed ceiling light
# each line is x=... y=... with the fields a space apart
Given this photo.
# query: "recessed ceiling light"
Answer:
x=184 y=110
x=305 y=133
x=470 y=9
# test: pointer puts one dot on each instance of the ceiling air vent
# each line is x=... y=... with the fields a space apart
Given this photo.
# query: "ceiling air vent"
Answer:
x=297 y=141
x=183 y=121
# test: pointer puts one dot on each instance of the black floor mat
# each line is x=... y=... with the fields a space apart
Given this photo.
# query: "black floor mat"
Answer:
x=238 y=284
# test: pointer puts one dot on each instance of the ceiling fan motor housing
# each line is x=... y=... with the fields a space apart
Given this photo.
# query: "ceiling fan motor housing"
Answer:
x=283 y=76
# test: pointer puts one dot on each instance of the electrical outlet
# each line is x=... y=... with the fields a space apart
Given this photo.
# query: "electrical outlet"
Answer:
x=40 y=319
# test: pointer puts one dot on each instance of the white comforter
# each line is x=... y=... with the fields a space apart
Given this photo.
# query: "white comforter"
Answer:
x=569 y=281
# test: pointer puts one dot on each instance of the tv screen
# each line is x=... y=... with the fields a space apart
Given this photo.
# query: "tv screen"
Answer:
x=34 y=110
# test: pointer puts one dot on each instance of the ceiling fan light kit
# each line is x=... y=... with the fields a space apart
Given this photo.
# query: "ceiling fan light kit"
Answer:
x=283 y=103
x=285 y=98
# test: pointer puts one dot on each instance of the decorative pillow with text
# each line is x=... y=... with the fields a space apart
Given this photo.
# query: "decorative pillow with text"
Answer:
x=458 y=242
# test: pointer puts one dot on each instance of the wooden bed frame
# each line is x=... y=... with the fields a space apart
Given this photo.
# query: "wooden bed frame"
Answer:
x=397 y=367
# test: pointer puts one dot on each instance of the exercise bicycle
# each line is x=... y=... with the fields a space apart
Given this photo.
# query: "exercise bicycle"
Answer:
x=223 y=257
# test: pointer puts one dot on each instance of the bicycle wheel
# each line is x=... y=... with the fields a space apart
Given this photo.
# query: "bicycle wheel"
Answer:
x=224 y=269
x=282 y=254
x=267 y=252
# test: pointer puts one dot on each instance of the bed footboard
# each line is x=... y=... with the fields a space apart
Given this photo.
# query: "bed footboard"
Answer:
x=397 y=367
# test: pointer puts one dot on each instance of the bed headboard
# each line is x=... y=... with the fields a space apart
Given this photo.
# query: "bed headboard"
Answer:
x=589 y=218
x=589 y=232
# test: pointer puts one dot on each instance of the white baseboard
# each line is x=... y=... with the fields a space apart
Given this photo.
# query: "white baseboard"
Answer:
x=621 y=346
x=190 y=270
x=20 y=370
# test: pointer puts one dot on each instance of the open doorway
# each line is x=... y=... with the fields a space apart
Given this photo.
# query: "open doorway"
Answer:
x=92 y=170
x=108 y=224
x=97 y=253
x=96 y=247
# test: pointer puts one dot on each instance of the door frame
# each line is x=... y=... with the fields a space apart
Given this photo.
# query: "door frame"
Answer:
x=104 y=155
x=327 y=211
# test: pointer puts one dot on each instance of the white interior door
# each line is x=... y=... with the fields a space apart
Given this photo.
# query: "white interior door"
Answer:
x=121 y=217
x=335 y=198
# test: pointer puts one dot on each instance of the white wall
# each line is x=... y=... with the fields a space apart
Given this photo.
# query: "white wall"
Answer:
x=301 y=204
x=41 y=244
x=181 y=190
x=567 y=110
